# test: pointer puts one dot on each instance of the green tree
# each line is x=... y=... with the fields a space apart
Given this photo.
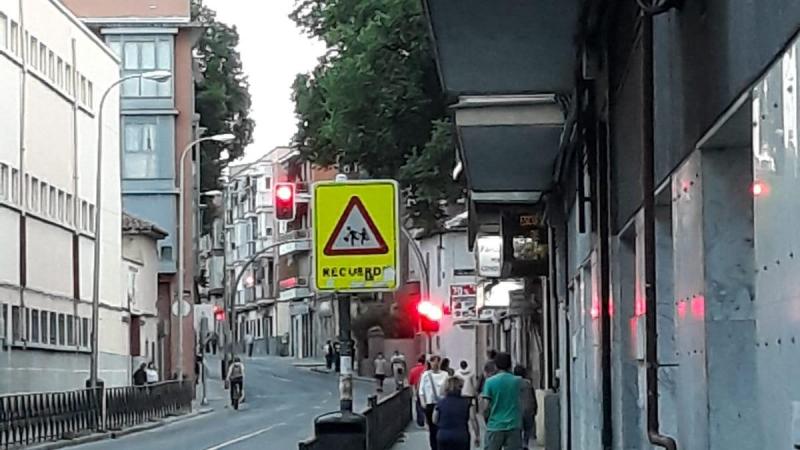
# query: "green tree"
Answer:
x=222 y=94
x=374 y=99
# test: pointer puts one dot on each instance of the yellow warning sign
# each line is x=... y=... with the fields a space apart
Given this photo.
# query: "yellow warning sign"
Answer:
x=356 y=234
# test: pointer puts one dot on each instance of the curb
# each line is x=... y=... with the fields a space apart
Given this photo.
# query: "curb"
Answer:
x=328 y=372
x=96 y=437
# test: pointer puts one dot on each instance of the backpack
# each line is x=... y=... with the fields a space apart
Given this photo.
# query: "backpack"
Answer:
x=236 y=370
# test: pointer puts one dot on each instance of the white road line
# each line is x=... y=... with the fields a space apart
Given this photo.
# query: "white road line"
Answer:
x=246 y=436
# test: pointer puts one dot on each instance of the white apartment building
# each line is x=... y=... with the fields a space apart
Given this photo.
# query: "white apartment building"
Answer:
x=53 y=71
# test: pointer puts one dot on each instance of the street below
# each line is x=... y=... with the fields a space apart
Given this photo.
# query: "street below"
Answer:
x=281 y=403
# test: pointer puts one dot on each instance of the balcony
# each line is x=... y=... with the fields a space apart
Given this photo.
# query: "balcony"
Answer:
x=294 y=288
x=302 y=242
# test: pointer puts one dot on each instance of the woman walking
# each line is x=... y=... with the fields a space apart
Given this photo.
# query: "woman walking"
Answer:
x=455 y=417
x=431 y=390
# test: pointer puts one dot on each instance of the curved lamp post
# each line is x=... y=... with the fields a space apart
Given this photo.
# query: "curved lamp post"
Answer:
x=158 y=76
x=222 y=138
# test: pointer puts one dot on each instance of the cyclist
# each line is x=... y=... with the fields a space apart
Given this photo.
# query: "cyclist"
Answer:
x=236 y=380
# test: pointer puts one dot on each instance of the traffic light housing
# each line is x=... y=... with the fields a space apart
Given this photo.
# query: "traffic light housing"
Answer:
x=219 y=314
x=284 y=201
x=430 y=315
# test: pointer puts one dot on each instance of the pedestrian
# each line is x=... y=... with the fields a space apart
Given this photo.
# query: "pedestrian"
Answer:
x=328 y=348
x=446 y=367
x=490 y=356
x=381 y=367
x=467 y=379
x=152 y=373
x=431 y=390
x=248 y=338
x=337 y=357
x=501 y=407
x=398 y=369
x=455 y=417
x=413 y=380
x=140 y=376
x=528 y=406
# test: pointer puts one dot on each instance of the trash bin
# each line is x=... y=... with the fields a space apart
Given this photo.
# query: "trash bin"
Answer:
x=338 y=430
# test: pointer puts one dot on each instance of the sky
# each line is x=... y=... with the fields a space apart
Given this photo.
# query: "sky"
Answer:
x=273 y=51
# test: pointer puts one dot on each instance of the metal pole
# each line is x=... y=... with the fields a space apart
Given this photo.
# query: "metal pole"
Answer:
x=98 y=207
x=426 y=288
x=181 y=246
x=346 y=356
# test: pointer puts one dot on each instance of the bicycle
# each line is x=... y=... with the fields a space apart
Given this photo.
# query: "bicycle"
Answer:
x=236 y=395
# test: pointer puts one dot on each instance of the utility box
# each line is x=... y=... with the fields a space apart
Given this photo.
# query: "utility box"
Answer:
x=341 y=430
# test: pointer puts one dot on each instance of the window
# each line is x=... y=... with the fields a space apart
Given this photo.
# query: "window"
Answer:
x=34 y=194
x=83 y=89
x=85 y=332
x=166 y=253
x=69 y=78
x=61 y=330
x=33 y=53
x=27 y=190
x=35 y=326
x=141 y=159
x=3 y=182
x=70 y=210
x=51 y=66
x=84 y=216
x=42 y=58
x=61 y=205
x=53 y=202
x=16 y=330
x=44 y=195
x=140 y=56
x=3 y=30
x=59 y=72
x=15 y=186
x=70 y=330
x=53 y=329
x=26 y=325
x=14 y=38
x=91 y=218
x=43 y=327
x=89 y=94
x=269 y=231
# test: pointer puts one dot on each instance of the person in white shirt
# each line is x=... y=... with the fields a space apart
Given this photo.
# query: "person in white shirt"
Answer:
x=152 y=373
x=431 y=390
x=466 y=376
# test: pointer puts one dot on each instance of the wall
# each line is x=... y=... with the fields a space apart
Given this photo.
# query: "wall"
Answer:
x=98 y=9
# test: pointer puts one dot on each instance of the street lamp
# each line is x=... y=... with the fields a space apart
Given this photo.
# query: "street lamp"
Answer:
x=222 y=138
x=159 y=76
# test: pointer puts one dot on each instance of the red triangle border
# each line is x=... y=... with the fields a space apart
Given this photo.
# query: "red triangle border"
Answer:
x=355 y=202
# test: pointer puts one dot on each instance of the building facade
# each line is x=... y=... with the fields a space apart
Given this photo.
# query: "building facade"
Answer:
x=54 y=69
x=657 y=141
x=157 y=123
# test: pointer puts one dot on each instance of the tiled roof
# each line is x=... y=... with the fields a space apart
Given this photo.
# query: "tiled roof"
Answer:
x=134 y=225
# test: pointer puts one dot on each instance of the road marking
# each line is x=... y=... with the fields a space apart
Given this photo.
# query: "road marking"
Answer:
x=246 y=436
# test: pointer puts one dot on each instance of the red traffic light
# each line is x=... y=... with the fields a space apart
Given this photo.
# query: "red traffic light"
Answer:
x=429 y=310
x=284 y=201
x=219 y=314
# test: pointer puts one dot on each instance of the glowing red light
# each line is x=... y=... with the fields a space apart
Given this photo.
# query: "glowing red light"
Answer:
x=429 y=310
x=759 y=188
x=595 y=312
x=284 y=193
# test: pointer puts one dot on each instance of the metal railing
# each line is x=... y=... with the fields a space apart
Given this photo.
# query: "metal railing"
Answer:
x=133 y=405
x=27 y=419
x=387 y=419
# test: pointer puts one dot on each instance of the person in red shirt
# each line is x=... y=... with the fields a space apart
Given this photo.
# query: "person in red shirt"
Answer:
x=414 y=377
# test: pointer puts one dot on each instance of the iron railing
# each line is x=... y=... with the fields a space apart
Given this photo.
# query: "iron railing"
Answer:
x=27 y=419
x=387 y=419
x=133 y=405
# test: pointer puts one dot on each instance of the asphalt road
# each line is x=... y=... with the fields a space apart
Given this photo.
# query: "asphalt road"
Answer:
x=282 y=402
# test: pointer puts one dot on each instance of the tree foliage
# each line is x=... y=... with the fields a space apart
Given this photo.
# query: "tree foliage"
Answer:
x=374 y=99
x=222 y=95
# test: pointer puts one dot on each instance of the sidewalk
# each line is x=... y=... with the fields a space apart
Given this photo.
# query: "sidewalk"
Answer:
x=416 y=438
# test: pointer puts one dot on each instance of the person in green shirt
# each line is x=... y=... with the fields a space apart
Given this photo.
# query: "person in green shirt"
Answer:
x=500 y=406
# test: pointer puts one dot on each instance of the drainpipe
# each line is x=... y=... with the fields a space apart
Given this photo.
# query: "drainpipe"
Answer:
x=648 y=206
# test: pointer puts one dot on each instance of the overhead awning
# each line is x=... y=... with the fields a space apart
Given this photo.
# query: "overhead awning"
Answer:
x=504 y=46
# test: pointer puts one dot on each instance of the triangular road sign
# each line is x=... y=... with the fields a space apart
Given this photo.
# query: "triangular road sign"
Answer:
x=355 y=233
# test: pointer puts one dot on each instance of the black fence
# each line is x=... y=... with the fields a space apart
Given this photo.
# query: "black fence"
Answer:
x=27 y=419
x=386 y=421
x=133 y=405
